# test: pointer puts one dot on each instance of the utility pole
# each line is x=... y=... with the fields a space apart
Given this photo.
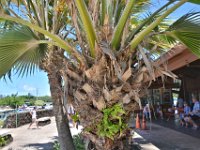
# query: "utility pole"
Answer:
x=36 y=93
x=15 y=95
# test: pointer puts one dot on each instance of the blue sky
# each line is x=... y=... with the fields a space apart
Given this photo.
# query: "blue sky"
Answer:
x=36 y=84
x=187 y=7
x=39 y=81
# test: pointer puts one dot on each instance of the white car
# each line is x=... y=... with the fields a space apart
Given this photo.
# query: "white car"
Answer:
x=50 y=106
x=30 y=108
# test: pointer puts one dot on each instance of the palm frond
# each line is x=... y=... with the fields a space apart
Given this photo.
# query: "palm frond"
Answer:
x=103 y=11
x=190 y=1
x=194 y=1
x=20 y=51
x=57 y=40
x=149 y=28
x=145 y=22
x=118 y=11
x=120 y=26
x=187 y=30
x=88 y=25
x=141 y=6
x=163 y=41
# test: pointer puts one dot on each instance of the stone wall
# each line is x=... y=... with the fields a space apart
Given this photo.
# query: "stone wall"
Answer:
x=24 y=118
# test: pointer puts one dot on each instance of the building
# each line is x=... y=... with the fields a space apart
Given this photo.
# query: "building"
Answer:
x=186 y=66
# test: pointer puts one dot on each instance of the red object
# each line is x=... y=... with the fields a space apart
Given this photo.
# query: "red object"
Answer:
x=144 y=124
x=137 y=123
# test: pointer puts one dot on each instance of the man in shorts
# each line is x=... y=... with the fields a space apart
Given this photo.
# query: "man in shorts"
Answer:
x=34 y=117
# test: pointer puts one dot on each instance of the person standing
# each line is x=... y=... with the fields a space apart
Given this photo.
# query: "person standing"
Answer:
x=180 y=103
x=34 y=117
x=146 y=111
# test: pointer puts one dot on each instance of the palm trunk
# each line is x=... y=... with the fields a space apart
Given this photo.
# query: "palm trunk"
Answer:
x=102 y=89
x=64 y=135
x=52 y=66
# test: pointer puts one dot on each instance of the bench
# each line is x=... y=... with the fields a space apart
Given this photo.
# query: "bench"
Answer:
x=44 y=121
x=169 y=115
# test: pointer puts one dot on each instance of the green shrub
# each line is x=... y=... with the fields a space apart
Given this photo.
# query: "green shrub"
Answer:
x=112 y=122
x=39 y=103
x=75 y=117
x=2 y=141
x=6 y=139
x=78 y=143
x=56 y=145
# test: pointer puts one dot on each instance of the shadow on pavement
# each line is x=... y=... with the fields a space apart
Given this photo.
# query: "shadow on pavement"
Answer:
x=42 y=146
x=176 y=126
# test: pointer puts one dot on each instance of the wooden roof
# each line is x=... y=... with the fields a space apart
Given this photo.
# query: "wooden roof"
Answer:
x=179 y=56
x=181 y=61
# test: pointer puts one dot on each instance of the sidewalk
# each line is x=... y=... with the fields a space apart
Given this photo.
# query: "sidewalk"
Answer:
x=34 y=139
x=43 y=138
x=168 y=139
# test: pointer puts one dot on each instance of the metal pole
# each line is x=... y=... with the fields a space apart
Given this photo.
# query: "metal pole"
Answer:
x=36 y=93
x=16 y=114
x=184 y=88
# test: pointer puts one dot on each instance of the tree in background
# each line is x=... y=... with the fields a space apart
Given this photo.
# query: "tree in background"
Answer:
x=21 y=100
x=108 y=60
x=11 y=101
x=39 y=103
x=45 y=98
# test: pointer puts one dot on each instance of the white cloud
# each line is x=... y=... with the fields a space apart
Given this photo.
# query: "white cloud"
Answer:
x=29 y=88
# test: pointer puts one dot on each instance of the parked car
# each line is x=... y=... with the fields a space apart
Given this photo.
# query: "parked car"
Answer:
x=30 y=108
x=47 y=106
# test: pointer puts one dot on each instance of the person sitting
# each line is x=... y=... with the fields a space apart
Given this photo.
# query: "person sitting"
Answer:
x=185 y=113
x=170 y=113
x=146 y=111
x=159 y=110
x=194 y=114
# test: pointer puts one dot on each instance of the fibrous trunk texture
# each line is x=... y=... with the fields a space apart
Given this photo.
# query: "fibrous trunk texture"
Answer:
x=64 y=135
x=52 y=67
x=109 y=81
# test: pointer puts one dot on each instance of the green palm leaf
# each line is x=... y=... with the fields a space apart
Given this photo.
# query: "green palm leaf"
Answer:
x=187 y=30
x=149 y=28
x=22 y=54
x=103 y=11
x=120 y=26
x=88 y=25
x=191 y=1
x=57 y=40
x=194 y=1
x=149 y=18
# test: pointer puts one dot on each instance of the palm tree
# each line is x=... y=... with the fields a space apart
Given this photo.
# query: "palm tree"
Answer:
x=107 y=63
x=23 y=50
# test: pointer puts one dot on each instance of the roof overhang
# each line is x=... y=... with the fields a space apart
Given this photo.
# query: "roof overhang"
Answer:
x=179 y=56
